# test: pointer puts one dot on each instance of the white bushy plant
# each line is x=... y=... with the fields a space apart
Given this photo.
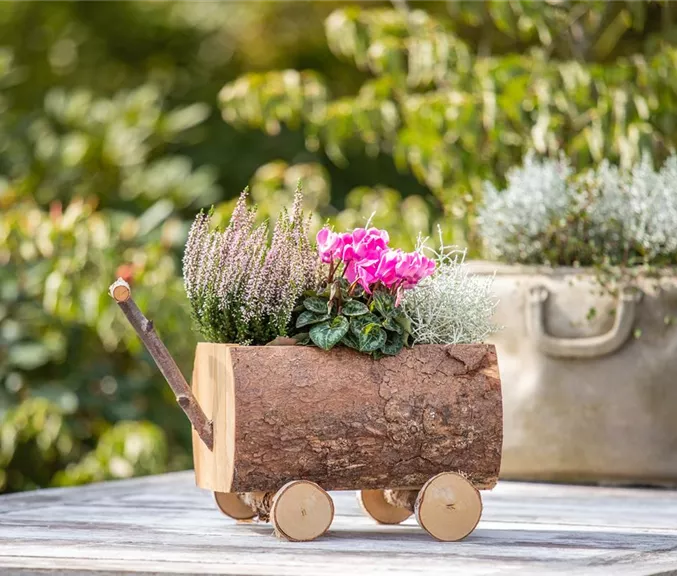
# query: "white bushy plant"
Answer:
x=639 y=205
x=536 y=193
x=452 y=306
x=605 y=216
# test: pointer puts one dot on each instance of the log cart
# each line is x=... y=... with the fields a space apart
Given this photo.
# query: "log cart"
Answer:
x=275 y=427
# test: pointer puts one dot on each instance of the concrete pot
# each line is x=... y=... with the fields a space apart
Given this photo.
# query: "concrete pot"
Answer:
x=589 y=380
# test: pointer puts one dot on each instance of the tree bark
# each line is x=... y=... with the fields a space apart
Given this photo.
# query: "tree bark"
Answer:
x=260 y=502
x=122 y=294
x=346 y=421
x=401 y=498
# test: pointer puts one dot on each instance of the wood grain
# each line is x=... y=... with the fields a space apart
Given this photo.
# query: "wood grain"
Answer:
x=346 y=421
x=164 y=524
x=211 y=371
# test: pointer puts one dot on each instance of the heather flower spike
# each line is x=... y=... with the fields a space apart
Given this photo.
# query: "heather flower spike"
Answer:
x=243 y=288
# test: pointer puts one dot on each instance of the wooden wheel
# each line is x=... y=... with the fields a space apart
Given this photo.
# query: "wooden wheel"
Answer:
x=374 y=504
x=232 y=506
x=448 y=507
x=301 y=511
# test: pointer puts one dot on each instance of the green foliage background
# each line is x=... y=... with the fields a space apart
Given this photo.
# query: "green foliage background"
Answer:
x=112 y=137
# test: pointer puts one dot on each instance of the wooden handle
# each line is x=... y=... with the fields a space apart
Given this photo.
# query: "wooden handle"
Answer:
x=122 y=294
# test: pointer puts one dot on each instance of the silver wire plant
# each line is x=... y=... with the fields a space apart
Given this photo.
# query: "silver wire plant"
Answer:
x=513 y=221
x=452 y=306
x=606 y=217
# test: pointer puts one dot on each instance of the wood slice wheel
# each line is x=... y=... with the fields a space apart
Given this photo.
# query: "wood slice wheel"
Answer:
x=375 y=505
x=232 y=506
x=448 y=507
x=301 y=511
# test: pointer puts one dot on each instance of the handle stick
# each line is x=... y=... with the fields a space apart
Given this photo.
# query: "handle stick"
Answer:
x=122 y=294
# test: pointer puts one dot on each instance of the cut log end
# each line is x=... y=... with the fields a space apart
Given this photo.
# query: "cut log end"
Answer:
x=448 y=507
x=375 y=505
x=120 y=290
x=301 y=511
x=232 y=505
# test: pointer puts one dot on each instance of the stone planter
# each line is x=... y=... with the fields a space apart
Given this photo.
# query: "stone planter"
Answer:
x=589 y=380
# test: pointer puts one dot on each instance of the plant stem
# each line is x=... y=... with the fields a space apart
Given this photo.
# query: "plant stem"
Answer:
x=122 y=294
x=331 y=272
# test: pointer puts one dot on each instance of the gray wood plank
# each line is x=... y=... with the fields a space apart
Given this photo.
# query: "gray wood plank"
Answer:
x=164 y=524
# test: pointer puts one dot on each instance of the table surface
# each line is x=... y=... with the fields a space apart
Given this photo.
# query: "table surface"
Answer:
x=164 y=524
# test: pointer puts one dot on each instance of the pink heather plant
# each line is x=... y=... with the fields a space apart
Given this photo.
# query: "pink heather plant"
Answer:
x=243 y=286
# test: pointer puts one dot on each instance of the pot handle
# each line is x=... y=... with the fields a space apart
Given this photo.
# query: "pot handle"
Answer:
x=589 y=347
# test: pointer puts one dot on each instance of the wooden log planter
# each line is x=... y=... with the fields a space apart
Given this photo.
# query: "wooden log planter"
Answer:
x=276 y=426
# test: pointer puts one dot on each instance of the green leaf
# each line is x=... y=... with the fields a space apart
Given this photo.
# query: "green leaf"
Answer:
x=371 y=338
x=392 y=325
x=302 y=338
x=359 y=323
x=384 y=303
x=329 y=334
x=393 y=344
x=317 y=304
x=404 y=321
x=354 y=308
x=307 y=317
x=351 y=341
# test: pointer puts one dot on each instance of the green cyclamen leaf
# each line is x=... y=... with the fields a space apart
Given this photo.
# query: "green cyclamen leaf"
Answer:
x=384 y=303
x=307 y=317
x=403 y=321
x=329 y=334
x=317 y=304
x=354 y=308
x=351 y=341
x=359 y=323
x=392 y=325
x=393 y=344
x=371 y=338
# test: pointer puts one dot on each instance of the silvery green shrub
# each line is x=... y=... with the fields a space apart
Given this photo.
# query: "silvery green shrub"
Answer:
x=605 y=216
x=452 y=306
x=513 y=221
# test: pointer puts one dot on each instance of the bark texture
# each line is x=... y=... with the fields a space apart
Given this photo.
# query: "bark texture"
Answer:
x=260 y=502
x=401 y=498
x=346 y=421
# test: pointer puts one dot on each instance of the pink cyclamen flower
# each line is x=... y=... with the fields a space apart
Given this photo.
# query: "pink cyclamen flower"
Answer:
x=386 y=272
x=363 y=271
x=348 y=250
x=329 y=245
x=413 y=267
x=363 y=254
x=368 y=244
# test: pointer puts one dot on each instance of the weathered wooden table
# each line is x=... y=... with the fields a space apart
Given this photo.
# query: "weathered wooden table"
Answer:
x=164 y=524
